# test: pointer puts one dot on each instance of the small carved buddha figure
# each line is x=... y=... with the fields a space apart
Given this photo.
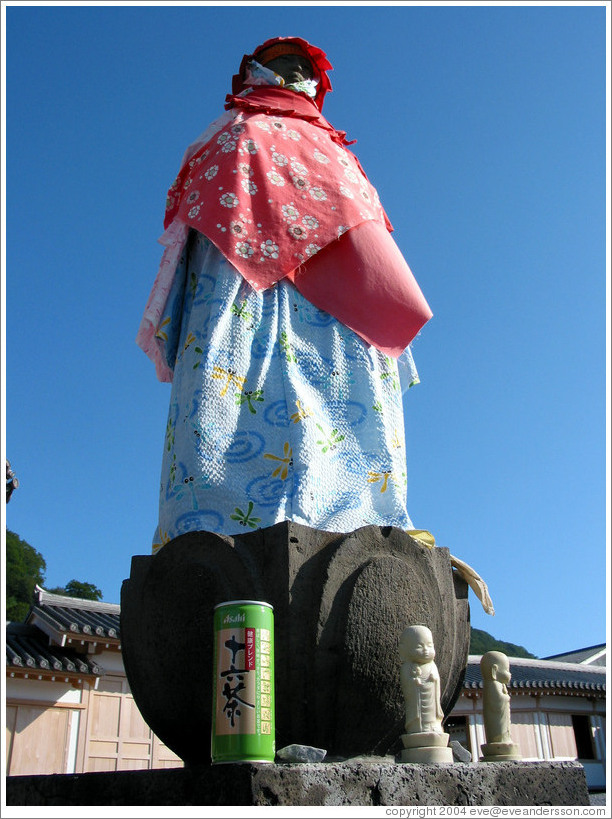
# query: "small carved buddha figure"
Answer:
x=495 y=670
x=420 y=681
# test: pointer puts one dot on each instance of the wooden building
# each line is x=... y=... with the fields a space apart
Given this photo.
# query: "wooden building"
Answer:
x=68 y=704
x=558 y=710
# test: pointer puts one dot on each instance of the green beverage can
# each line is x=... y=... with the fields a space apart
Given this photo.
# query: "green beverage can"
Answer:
x=243 y=683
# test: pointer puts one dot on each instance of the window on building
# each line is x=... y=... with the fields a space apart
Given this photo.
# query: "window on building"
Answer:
x=584 y=736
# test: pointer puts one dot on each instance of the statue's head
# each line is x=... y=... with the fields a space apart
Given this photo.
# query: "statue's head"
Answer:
x=289 y=56
x=287 y=59
x=417 y=645
x=495 y=665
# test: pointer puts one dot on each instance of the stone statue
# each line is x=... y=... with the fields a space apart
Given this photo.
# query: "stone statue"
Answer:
x=495 y=669
x=285 y=427
x=420 y=681
x=275 y=239
x=424 y=740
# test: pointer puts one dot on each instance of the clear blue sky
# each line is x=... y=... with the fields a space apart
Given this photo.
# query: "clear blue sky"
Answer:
x=483 y=129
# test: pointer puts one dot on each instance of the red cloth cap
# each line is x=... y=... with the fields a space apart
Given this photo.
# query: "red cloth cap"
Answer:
x=264 y=55
x=317 y=57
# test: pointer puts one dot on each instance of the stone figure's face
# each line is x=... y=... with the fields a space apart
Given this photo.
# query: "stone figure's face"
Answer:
x=292 y=67
x=501 y=672
x=495 y=665
x=417 y=645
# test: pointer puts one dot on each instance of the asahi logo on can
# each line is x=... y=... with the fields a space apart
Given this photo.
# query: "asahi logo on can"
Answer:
x=233 y=618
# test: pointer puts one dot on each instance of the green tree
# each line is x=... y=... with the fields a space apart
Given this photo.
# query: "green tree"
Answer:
x=25 y=567
x=76 y=588
x=482 y=641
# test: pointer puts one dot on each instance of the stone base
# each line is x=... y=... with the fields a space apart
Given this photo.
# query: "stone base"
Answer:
x=500 y=752
x=341 y=603
x=426 y=739
x=426 y=746
x=429 y=754
x=349 y=783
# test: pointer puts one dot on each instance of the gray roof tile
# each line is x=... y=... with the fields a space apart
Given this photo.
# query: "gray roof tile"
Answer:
x=27 y=648
x=542 y=675
x=72 y=617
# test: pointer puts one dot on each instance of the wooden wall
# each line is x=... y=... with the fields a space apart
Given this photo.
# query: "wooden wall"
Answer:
x=52 y=729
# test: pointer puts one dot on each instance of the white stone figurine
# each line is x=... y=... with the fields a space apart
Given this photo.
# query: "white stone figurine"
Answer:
x=425 y=739
x=495 y=670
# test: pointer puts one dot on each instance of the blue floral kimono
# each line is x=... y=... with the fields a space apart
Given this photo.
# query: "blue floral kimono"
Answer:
x=278 y=411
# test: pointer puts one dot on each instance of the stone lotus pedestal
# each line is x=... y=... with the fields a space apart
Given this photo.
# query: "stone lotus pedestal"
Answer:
x=426 y=746
x=341 y=602
x=500 y=752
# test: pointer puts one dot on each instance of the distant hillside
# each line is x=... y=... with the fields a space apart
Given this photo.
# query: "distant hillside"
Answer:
x=482 y=641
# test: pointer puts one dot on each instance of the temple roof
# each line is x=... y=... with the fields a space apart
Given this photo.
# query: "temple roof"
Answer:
x=30 y=654
x=73 y=621
x=593 y=655
x=543 y=675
